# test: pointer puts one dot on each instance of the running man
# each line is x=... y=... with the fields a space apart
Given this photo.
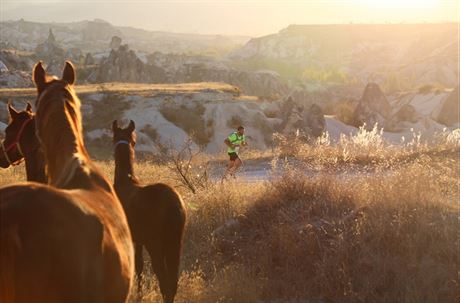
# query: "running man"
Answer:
x=234 y=141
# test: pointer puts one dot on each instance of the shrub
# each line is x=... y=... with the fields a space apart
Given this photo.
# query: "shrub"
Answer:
x=425 y=89
x=189 y=117
x=235 y=121
x=110 y=107
x=150 y=131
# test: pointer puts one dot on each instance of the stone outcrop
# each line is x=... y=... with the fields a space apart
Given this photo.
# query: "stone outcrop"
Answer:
x=15 y=78
x=259 y=83
x=315 y=124
x=406 y=113
x=173 y=68
x=373 y=107
x=49 y=48
x=123 y=65
x=52 y=54
x=449 y=113
x=296 y=119
x=89 y=59
x=115 y=43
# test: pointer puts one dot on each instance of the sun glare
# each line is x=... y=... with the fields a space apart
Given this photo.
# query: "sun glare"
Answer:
x=400 y=3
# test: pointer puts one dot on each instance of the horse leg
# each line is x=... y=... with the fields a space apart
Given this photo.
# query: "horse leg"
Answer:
x=159 y=268
x=172 y=260
x=139 y=262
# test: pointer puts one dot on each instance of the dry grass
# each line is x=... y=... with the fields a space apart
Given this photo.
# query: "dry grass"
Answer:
x=132 y=88
x=365 y=148
x=391 y=235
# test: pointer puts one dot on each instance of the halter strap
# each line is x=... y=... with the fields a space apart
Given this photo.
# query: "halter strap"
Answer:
x=15 y=144
x=121 y=142
x=18 y=136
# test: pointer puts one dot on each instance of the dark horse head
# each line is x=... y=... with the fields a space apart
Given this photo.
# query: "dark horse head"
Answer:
x=124 y=135
x=21 y=143
x=20 y=124
x=19 y=137
x=124 y=140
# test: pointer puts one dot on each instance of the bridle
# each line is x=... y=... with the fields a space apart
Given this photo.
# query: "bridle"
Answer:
x=121 y=142
x=15 y=145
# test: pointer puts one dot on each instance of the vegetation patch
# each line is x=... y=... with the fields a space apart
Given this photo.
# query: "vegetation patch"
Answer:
x=235 y=121
x=189 y=117
x=372 y=232
x=110 y=107
x=151 y=132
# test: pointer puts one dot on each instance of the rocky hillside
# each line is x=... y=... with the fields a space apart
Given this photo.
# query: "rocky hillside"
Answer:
x=426 y=111
x=394 y=55
x=119 y=62
x=168 y=114
x=93 y=36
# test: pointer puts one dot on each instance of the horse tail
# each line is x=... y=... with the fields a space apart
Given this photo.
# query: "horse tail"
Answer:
x=9 y=245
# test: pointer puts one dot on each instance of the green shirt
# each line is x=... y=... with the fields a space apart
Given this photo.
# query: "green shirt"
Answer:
x=235 y=139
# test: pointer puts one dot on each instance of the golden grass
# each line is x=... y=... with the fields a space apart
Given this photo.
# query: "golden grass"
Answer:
x=131 y=88
x=386 y=236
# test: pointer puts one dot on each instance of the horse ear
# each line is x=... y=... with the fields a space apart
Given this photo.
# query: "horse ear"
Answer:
x=13 y=112
x=68 y=75
x=115 y=125
x=29 y=107
x=39 y=76
x=131 y=125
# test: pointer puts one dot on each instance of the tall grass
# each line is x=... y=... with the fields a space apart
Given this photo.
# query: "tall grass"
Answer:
x=391 y=235
x=366 y=147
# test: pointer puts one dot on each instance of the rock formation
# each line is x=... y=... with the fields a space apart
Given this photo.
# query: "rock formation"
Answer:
x=15 y=78
x=373 y=107
x=123 y=65
x=115 y=43
x=449 y=113
x=310 y=122
x=315 y=124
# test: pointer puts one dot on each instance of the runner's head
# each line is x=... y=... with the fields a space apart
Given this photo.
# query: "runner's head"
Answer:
x=240 y=130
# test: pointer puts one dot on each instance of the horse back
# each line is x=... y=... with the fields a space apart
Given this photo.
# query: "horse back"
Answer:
x=117 y=242
x=51 y=247
x=155 y=208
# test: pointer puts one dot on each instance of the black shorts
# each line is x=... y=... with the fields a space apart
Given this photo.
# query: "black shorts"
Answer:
x=233 y=156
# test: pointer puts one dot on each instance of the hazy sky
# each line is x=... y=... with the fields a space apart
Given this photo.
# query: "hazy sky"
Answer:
x=251 y=17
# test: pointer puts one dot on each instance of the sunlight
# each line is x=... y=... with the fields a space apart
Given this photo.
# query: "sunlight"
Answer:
x=400 y=3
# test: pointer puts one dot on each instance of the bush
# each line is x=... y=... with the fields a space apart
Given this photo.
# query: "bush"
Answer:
x=234 y=122
x=151 y=132
x=189 y=117
x=425 y=89
x=388 y=238
x=110 y=107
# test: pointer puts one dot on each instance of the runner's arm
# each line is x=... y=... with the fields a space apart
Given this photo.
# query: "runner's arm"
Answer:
x=228 y=143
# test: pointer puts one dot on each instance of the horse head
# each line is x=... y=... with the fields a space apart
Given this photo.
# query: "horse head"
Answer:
x=20 y=137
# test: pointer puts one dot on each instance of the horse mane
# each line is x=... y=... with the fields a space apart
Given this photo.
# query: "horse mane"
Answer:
x=60 y=94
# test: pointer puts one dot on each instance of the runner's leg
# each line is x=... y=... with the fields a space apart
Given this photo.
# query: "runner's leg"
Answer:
x=230 y=165
x=237 y=164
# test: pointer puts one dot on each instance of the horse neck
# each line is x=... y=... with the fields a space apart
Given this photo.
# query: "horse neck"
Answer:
x=35 y=166
x=65 y=153
x=34 y=157
x=124 y=168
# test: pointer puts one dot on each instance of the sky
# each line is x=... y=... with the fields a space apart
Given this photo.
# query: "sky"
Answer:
x=231 y=17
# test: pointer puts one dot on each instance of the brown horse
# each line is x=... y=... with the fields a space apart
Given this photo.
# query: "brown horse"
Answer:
x=70 y=243
x=21 y=143
x=156 y=215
